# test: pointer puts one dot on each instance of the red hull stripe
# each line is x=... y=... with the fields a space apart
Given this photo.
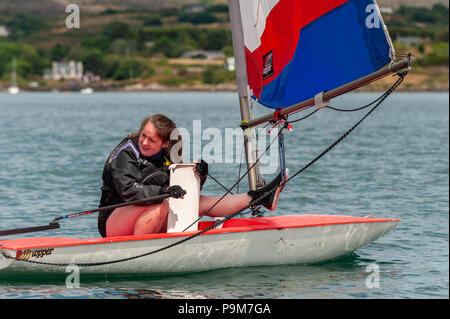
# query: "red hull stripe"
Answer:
x=281 y=35
x=231 y=226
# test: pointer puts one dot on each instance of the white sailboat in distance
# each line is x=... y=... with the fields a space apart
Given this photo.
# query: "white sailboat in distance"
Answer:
x=14 y=89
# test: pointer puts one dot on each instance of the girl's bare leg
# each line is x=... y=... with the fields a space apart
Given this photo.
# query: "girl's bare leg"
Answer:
x=228 y=205
x=137 y=220
x=152 y=220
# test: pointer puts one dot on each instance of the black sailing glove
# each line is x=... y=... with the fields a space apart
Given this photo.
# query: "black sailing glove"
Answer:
x=174 y=191
x=202 y=170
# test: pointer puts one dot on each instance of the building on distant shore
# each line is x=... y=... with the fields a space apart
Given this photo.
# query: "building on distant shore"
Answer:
x=202 y=54
x=230 y=64
x=64 y=71
x=195 y=8
x=387 y=10
x=3 y=31
x=90 y=77
x=408 y=40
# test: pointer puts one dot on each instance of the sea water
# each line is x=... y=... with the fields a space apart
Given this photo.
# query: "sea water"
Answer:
x=394 y=165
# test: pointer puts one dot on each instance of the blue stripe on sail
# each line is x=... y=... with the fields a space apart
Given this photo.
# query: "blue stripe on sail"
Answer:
x=332 y=51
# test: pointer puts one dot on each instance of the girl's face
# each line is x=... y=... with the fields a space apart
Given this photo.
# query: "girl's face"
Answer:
x=149 y=141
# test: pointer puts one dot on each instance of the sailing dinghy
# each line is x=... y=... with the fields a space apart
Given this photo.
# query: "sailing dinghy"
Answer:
x=298 y=239
x=14 y=89
x=291 y=56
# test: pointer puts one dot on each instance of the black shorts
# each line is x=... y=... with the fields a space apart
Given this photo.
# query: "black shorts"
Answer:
x=102 y=218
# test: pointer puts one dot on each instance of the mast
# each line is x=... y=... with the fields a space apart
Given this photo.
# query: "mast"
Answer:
x=13 y=73
x=242 y=82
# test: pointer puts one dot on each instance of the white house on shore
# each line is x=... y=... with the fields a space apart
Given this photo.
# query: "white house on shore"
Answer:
x=3 y=31
x=230 y=64
x=386 y=9
x=408 y=40
x=64 y=71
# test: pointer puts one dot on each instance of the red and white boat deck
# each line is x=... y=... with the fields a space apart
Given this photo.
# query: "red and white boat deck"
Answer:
x=295 y=239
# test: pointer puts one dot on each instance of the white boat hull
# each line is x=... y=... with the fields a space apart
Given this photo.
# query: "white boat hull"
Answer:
x=227 y=247
x=86 y=91
x=13 y=90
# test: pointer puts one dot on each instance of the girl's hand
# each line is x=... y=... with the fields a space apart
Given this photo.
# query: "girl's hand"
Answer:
x=201 y=167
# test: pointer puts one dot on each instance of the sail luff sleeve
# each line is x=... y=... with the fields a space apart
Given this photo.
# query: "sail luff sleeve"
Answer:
x=238 y=46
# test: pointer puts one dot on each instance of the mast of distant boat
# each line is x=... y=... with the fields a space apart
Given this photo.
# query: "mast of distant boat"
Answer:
x=13 y=89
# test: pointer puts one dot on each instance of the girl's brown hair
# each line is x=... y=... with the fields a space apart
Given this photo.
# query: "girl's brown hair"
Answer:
x=167 y=132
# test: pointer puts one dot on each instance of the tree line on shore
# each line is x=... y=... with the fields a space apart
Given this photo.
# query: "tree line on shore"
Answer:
x=143 y=41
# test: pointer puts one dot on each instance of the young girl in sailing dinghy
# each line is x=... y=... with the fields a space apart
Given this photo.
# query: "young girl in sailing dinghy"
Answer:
x=138 y=169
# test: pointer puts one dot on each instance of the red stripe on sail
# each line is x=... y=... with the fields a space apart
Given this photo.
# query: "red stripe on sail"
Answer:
x=281 y=35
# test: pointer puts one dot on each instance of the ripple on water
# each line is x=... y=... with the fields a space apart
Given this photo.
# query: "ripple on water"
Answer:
x=396 y=164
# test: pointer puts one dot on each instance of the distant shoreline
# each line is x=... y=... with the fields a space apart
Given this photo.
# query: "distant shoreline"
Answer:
x=420 y=79
x=214 y=90
x=414 y=82
x=219 y=88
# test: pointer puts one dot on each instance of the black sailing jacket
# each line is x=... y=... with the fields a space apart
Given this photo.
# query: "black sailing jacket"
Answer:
x=129 y=176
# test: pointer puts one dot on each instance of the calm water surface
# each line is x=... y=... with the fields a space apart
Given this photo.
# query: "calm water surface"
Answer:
x=396 y=164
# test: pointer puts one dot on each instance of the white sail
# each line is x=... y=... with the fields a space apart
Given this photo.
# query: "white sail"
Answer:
x=14 y=89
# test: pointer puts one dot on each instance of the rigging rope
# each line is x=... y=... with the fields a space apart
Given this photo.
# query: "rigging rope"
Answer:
x=240 y=211
x=356 y=109
x=235 y=184
x=282 y=156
